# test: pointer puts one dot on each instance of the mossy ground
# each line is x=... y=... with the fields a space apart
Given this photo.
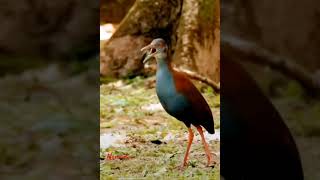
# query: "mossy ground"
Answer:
x=126 y=109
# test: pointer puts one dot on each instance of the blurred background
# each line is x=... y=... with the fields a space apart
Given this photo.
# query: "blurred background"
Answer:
x=49 y=102
x=278 y=44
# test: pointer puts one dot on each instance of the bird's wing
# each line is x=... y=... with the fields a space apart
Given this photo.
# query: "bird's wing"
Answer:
x=199 y=105
x=250 y=121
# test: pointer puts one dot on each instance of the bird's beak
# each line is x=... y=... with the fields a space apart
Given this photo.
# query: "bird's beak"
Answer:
x=149 y=48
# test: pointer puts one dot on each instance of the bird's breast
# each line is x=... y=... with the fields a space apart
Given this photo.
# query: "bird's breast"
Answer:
x=171 y=100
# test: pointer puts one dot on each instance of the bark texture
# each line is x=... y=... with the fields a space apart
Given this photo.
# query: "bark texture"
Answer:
x=113 y=11
x=147 y=19
x=190 y=27
x=198 y=45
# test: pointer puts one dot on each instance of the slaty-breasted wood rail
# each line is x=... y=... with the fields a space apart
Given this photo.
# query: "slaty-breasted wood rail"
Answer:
x=179 y=97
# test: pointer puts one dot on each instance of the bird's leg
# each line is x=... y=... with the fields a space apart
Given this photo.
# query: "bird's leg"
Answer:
x=205 y=145
x=190 y=139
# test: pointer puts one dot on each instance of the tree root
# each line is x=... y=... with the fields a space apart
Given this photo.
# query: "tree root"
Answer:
x=195 y=76
x=237 y=48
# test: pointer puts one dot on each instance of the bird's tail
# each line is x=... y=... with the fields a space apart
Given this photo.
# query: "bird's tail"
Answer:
x=209 y=126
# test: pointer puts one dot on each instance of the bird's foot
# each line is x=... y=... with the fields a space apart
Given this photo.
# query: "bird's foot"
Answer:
x=212 y=162
x=183 y=166
x=209 y=164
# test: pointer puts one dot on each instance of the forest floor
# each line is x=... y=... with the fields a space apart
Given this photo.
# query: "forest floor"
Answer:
x=140 y=140
x=42 y=118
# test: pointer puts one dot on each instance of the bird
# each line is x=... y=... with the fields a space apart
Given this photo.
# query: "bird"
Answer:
x=255 y=142
x=179 y=97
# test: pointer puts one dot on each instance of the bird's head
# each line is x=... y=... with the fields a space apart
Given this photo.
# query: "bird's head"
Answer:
x=157 y=49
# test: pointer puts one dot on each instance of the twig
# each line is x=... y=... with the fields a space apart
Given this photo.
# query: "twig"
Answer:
x=193 y=75
x=238 y=48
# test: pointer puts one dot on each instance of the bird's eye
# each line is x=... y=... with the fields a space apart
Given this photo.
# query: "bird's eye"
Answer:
x=153 y=50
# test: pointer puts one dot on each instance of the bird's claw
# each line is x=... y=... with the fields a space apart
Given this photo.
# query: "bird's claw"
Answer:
x=182 y=167
x=211 y=162
x=210 y=158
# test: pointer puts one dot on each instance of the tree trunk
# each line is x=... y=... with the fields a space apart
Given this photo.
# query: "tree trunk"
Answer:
x=113 y=11
x=190 y=27
x=198 y=45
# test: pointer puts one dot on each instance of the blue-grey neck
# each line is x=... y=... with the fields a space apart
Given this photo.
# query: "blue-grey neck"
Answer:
x=163 y=69
x=162 y=64
x=172 y=101
x=165 y=80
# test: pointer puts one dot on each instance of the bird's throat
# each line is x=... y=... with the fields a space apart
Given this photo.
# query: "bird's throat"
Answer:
x=165 y=82
x=163 y=64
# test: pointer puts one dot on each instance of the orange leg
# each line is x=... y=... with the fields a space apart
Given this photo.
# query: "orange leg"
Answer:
x=205 y=145
x=188 y=147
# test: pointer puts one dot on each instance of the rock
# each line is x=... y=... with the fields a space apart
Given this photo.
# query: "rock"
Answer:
x=121 y=57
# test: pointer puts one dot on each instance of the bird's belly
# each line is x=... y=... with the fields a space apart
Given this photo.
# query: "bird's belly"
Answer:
x=174 y=103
